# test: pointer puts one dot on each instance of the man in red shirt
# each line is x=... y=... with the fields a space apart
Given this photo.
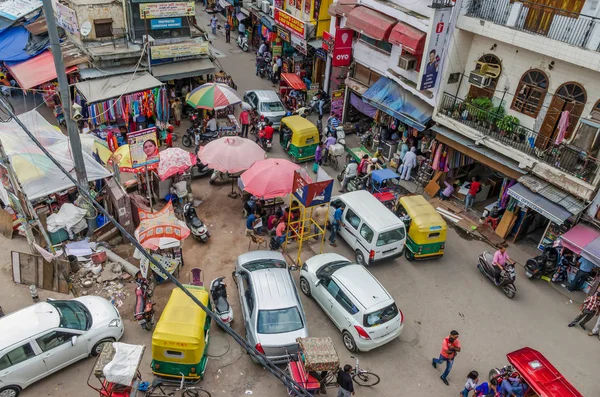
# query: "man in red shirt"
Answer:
x=169 y=140
x=474 y=188
x=245 y=122
x=266 y=134
x=450 y=346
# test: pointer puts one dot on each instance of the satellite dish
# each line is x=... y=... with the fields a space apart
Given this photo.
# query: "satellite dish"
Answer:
x=86 y=28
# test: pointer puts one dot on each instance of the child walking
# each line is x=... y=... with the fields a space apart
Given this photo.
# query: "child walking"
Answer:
x=471 y=384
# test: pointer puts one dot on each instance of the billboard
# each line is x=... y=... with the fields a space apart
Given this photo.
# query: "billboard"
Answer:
x=167 y=10
x=165 y=23
x=340 y=46
x=176 y=50
x=66 y=18
x=15 y=9
x=289 y=22
x=434 y=49
x=143 y=147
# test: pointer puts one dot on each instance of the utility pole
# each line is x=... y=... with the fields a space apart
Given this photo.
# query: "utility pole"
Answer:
x=65 y=99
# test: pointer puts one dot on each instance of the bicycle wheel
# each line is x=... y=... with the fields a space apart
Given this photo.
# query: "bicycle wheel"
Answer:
x=365 y=378
x=195 y=392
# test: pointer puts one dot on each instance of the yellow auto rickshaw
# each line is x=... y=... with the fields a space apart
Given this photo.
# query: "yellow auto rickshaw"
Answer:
x=180 y=339
x=426 y=237
x=300 y=138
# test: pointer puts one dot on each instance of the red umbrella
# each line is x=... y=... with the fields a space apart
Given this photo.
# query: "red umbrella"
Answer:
x=231 y=154
x=174 y=161
x=270 y=178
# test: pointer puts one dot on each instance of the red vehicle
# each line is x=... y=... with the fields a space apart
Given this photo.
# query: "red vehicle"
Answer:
x=538 y=373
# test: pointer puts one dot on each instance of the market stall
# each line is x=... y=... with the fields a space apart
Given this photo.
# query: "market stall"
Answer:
x=583 y=240
x=220 y=98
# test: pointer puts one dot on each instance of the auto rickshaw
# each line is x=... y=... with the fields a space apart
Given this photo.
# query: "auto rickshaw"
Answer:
x=300 y=138
x=426 y=235
x=292 y=82
x=180 y=339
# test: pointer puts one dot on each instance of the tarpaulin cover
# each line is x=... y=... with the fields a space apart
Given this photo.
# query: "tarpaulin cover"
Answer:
x=37 y=174
x=36 y=71
x=122 y=369
x=370 y=22
x=294 y=81
x=13 y=43
x=583 y=240
x=159 y=228
x=98 y=90
x=394 y=100
x=409 y=38
x=362 y=106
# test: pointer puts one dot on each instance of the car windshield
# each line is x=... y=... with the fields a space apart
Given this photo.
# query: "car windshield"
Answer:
x=279 y=321
x=271 y=107
x=381 y=316
x=73 y=315
x=263 y=264
x=390 y=237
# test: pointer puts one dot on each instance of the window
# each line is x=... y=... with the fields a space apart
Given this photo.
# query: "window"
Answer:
x=352 y=219
x=432 y=236
x=595 y=114
x=173 y=354
x=381 y=316
x=73 y=315
x=366 y=233
x=330 y=268
x=390 y=237
x=248 y=292
x=272 y=107
x=364 y=75
x=16 y=356
x=531 y=92
x=487 y=92
x=379 y=44
x=279 y=321
x=341 y=297
x=264 y=264
x=103 y=27
x=53 y=339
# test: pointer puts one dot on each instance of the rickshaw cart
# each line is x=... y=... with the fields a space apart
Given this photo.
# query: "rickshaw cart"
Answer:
x=289 y=82
x=229 y=126
x=117 y=370
x=385 y=186
x=317 y=365
x=357 y=153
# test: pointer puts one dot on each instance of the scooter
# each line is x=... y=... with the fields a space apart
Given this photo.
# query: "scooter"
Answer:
x=143 y=310
x=506 y=278
x=209 y=136
x=242 y=42
x=218 y=294
x=200 y=170
x=313 y=105
x=188 y=139
x=542 y=265
x=196 y=226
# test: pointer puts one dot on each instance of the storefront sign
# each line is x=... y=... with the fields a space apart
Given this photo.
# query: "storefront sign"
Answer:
x=298 y=44
x=166 y=23
x=342 y=48
x=433 y=56
x=283 y=34
x=66 y=18
x=183 y=49
x=337 y=103
x=321 y=54
x=266 y=22
x=289 y=22
x=328 y=41
x=15 y=9
x=307 y=4
x=143 y=147
x=277 y=50
x=167 y=10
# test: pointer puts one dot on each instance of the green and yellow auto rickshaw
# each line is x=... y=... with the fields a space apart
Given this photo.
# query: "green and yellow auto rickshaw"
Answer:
x=300 y=138
x=426 y=236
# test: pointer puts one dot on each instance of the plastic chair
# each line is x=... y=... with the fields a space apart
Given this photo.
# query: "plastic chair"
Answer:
x=489 y=69
x=196 y=277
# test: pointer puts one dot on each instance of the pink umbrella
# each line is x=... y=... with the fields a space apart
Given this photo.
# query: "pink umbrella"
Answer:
x=231 y=154
x=174 y=161
x=563 y=124
x=270 y=178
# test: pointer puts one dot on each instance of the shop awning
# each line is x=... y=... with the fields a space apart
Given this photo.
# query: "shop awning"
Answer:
x=370 y=22
x=294 y=81
x=93 y=73
x=480 y=153
x=362 y=106
x=99 y=90
x=36 y=71
x=583 y=240
x=411 y=39
x=181 y=70
x=538 y=203
x=569 y=202
x=342 y=7
x=389 y=97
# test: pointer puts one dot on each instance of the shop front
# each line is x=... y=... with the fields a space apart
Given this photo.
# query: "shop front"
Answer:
x=582 y=240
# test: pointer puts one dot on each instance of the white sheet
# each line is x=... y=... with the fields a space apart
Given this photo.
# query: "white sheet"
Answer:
x=124 y=365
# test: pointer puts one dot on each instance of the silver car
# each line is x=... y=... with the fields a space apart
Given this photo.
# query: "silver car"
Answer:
x=272 y=311
x=266 y=103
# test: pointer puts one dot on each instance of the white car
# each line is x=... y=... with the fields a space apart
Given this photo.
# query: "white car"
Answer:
x=355 y=301
x=43 y=338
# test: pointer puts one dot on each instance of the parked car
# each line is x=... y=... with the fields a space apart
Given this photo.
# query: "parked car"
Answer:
x=266 y=103
x=43 y=338
x=272 y=311
x=354 y=300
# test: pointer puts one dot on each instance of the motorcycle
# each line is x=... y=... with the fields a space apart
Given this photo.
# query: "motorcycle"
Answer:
x=313 y=105
x=218 y=294
x=542 y=265
x=200 y=170
x=506 y=278
x=355 y=183
x=188 y=139
x=209 y=136
x=266 y=144
x=143 y=310
x=196 y=226
x=242 y=42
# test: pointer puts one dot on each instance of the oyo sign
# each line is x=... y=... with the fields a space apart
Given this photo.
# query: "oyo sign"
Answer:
x=342 y=46
x=342 y=56
x=343 y=38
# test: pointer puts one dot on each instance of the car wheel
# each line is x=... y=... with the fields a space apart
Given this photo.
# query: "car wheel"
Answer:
x=305 y=286
x=10 y=391
x=349 y=341
x=97 y=349
x=360 y=258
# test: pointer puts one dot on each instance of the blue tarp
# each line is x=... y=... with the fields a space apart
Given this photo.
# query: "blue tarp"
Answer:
x=389 y=97
x=382 y=175
x=12 y=44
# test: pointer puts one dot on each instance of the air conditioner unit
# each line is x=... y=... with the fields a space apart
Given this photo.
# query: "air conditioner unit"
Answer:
x=266 y=7
x=407 y=62
x=479 y=80
x=259 y=4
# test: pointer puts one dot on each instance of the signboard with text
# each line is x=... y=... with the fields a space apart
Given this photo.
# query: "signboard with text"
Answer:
x=143 y=147
x=433 y=55
x=176 y=50
x=337 y=103
x=15 y=9
x=66 y=18
x=342 y=47
x=294 y=25
x=283 y=34
x=167 y=10
x=165 y=23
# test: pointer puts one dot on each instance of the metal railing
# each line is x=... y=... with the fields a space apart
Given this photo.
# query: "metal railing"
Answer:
x=566 y=158
x=554 y=23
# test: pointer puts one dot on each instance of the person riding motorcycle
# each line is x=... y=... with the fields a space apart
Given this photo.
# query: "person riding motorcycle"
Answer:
x=499 y=261
x=322 y=95
x=350 y=173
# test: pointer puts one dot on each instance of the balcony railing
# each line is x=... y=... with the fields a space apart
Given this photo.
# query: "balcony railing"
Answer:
x=493 y=123
x=566 y=26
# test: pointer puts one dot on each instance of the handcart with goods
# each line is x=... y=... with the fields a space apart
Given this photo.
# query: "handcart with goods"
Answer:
x=116 y=371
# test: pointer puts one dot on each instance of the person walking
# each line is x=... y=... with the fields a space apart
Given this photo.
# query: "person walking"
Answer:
x=197 y=141
x=319 y=217
x=319 y=155
x=275 y=72
x=177 y=106
x=335 y=225
x=245 y=122
x=596 y=330
x=410 y=161
x=169 y=138
x=585 y=267
x=589 y=309
x=227 y=32
x=471 y=384
x=474 y=188
x=344 y=380
x=450 y=346
x=213 y=25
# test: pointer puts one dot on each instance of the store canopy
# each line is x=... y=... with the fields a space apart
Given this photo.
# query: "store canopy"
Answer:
x=411 y=39
x=569 y=202
x=16 y=47
x=372 y=23
x=389 y=97
x=540 y=204
x=184 y=69
x=294 y=81
x=583 y=240
x=362 y=106
x=36 y=173
x=342 y=7
x=36 y=71
x=99 y=90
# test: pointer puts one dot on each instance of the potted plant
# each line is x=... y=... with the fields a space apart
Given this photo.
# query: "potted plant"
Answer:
x=507 y=125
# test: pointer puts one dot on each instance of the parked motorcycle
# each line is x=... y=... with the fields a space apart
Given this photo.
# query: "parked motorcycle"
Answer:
x=209 y=136
x=266 y=144
x=220 y=177
x=143 y=311
x=196 y=226
x=218 y=294
x=506 y=278
x=242 y=42
x=355 y=183
x=544 y=264
x=200 y=170
x=188 y=139
x=313 y=105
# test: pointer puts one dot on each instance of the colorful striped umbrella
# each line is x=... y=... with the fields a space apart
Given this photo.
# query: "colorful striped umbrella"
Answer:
x=213 y=96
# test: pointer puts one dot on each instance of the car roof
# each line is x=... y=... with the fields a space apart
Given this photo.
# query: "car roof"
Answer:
x=370 y=210
x=274 y=289
x=422 y=214
x=258 y=255
x=27 y=322
x=362 y=285
x=266 y=95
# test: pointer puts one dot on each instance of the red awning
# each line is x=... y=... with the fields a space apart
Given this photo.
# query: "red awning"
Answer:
x=35 y=71
x=370 y=22
x=342 y=7
x=411 y=39
x=294 y=81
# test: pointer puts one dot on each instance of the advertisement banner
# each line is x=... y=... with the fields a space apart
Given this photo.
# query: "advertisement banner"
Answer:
x=311 y=193
x=183 y=49
x=328 y=41
x=283 y=34
x=143 y=147
x=289 y=22
x=15 y=9
x=166 y=23
x=298 y=44
x=433 y=55
x=299 y=4
x=342 y=47
x=307 y=4
x=337 y=103
x=167 y=10
x=277 y=50
x=66 y=18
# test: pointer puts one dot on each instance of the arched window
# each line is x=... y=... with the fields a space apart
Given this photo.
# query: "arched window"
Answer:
x=530 y=93
x=596 y=111
x=487 y=92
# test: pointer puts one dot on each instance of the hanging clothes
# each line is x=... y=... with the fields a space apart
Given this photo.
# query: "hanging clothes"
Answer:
x=563 y=124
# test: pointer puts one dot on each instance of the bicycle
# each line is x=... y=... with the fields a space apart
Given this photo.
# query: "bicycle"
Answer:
x=362 y=377
x=156 y=390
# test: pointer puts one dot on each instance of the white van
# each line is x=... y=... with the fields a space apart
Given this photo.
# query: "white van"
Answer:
x=369 y=227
